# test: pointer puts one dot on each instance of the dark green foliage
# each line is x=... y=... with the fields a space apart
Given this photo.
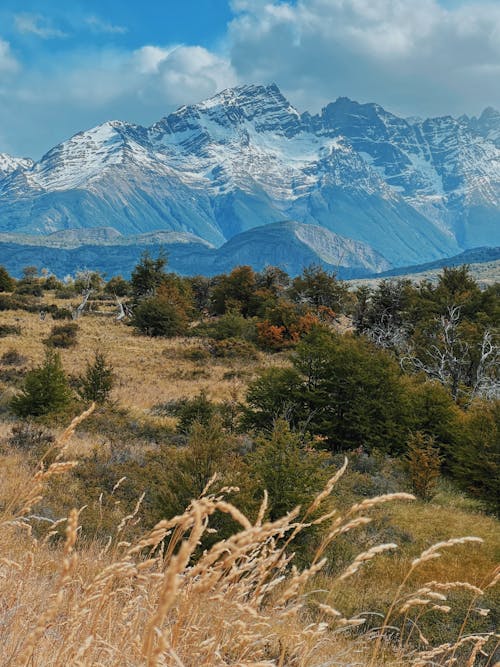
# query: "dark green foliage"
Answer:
x=29 y=288
x=291 y=470
x=342 y=388
x=148 y=275
x=476 y=460
x=229 y=325
x=234 y=292
x=155 y=316
x=317 y=287
x=97 y=381
x=61 y=314
x=9 y=330
x=63 y=335
x=7 y=283
x=118 y=286
x=45 y=389
x=434 y=413
x=198 y=409
x=66 y=292
x=273 y=395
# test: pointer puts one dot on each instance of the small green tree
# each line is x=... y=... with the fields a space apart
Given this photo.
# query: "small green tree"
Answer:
x=196 y=410
x=148 y=275
x=97 y=382
x=6 y=281
x=291 y=471
x=118 y=286
x=45 y=390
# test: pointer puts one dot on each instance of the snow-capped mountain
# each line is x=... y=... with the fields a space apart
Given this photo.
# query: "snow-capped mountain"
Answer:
x=8 y=164
x=408 y=190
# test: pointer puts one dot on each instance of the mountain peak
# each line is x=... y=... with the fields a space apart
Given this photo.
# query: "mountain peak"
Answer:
x=488 y=114
x=263 y=106
x=9 y=164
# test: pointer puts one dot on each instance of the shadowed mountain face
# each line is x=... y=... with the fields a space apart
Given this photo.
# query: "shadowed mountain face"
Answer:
x=403 y=191
x=289 y=245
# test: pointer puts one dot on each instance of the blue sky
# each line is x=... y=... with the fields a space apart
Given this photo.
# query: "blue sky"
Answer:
x=66 y=66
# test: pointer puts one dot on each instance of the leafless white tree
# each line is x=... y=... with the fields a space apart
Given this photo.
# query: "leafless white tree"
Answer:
x=454 y=363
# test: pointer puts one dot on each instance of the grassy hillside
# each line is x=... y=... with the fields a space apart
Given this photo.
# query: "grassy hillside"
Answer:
x=142 y=534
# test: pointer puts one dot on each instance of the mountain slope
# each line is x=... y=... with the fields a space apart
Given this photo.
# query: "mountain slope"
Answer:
x=289 y=245
x=413 y=190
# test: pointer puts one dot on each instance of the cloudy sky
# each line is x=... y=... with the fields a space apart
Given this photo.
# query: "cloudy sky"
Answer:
x=66 y=66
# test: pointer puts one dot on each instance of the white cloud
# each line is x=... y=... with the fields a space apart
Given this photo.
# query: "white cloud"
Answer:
x=98 y=25
x=8 y=63
x=417 y=57
x=48 y=105
x=38 y=25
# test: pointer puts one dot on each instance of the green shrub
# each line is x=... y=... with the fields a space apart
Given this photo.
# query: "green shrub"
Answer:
x=342 y=388
x=12 y=358
x=198 y=409
x=29 y=288
x=97 y=381
x=31 y=438
x=45 y=389
x=233 y=348
x=63 y=335
x=229 y=325
x=61 y=314
x=9 y=330
x=7 y=283
x=155 y=316
x=476 y=460
x=67 y=292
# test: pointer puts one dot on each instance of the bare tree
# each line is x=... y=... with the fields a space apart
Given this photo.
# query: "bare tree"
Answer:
x=455 y=363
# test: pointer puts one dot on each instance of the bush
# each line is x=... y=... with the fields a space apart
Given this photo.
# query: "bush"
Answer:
x=12 y=358
x=31 y=438
x=61 y=314
x=11 y=302
x=233 y=348
x=198 y=409
x=7 y=283
x=97 y=382
x=68 y=292
x=63 y=335
x=155 y=316
x=290 y=469
x=230 y=325
x=424 y=463
x=45 y=389
x=476 y=460
x=29 y=288
x=342 y=388
x=9 y=330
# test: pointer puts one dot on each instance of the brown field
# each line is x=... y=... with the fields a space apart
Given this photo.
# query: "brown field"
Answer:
x=149 y=370
x=140 y=601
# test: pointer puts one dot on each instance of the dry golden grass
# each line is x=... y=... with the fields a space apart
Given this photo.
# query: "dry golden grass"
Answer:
x=159 y=601
x=148 y=370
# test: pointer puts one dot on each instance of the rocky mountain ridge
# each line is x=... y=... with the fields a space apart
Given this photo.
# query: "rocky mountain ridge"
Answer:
x=410 y=190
